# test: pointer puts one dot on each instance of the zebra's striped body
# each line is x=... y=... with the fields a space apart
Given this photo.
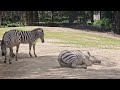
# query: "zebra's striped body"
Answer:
x=74 y=58
x=16 y=37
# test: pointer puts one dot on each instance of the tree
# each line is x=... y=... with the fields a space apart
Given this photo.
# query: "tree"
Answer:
x=84 y=17
x=52 y=16
x=72 y=16
x=92 y=16
x=36 y=18
x=2 y=14
x=0 y=17
x=24 y=18
x=117 y=22
x=28 y=18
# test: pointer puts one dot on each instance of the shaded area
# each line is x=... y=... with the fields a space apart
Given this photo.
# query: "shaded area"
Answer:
x=47 y=67
x=25 y=66
x=88 y=28
x=67 y=73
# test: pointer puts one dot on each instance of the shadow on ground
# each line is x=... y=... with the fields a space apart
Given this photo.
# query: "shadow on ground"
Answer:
x=47 y=67
x=25 y=65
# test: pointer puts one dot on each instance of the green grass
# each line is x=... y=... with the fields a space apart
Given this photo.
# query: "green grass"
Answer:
x=84 y=39
x=80 y=39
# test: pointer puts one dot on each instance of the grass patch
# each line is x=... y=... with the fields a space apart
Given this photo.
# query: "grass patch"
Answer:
x=81 y=39
x=84 y=39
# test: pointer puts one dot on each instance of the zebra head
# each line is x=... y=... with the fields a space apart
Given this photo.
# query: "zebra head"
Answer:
x=3 y=48
x=40 y=34
x=92 y=59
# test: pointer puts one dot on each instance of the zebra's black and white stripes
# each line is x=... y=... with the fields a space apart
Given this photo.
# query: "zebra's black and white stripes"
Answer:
x=16 y=37
x=76 y=58
x=23 y=36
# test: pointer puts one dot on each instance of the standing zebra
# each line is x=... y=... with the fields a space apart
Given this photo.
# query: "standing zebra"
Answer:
x=76 y=58
x=15 y=37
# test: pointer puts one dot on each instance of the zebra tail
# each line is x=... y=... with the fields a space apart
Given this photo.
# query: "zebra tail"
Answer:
x=2 y=42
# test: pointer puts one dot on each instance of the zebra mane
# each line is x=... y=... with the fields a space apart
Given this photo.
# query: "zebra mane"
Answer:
x=37 y=29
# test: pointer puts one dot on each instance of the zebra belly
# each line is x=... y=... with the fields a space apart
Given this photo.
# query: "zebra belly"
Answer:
x=25 y=42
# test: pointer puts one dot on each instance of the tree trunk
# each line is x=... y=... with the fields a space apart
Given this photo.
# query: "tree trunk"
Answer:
x=84 y=18
x=113 y=22
x=30 y=15
x=28 y=18
x=117 y=22
x=24 y=18
x=92 y=16
x=71 y=20
x=0 y=18
x=72 y=16
x=36 y=18
x=52 y=16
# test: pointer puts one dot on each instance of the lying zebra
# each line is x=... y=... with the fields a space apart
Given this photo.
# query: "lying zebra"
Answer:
x=76 y=58
x=16 y=37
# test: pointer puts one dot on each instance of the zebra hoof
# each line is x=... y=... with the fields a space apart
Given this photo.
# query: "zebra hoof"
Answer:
x=13 y=55
x=31 y=56
x=4 y=61
x=35 y=55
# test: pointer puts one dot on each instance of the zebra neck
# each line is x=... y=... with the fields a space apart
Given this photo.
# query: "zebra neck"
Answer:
x=35 y=37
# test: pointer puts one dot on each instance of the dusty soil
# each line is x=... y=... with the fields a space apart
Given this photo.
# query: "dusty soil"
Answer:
x=45 y=66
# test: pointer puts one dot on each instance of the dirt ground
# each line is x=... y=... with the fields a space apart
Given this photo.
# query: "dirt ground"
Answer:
x=45 y=66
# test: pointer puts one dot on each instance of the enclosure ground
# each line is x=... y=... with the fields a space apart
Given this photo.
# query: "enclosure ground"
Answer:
x=45 y=66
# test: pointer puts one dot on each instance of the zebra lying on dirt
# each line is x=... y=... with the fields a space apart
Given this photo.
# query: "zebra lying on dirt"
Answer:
x=16 y=37
x=76 y=58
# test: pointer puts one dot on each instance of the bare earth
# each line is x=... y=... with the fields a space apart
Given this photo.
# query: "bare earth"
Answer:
x=45 y=66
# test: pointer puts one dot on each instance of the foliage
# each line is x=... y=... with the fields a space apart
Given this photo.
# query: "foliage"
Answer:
x=109 y=19
x=103 y=23
x=14 y=25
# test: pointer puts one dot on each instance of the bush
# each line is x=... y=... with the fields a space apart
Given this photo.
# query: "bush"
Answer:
x=13 y=25
x=4 y=24
x=103 y=23
x=77 y=21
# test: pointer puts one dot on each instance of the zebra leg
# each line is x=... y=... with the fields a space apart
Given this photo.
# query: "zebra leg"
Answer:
x=30 y=45
x=34 y=50
x=11 y=53
x=82 y=66
x=87 y=62
x=74 y=64
x=5 y=58
x=17 y=51
x=63 y=64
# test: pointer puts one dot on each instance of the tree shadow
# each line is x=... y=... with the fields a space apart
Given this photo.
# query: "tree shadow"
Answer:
x=37 y=67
